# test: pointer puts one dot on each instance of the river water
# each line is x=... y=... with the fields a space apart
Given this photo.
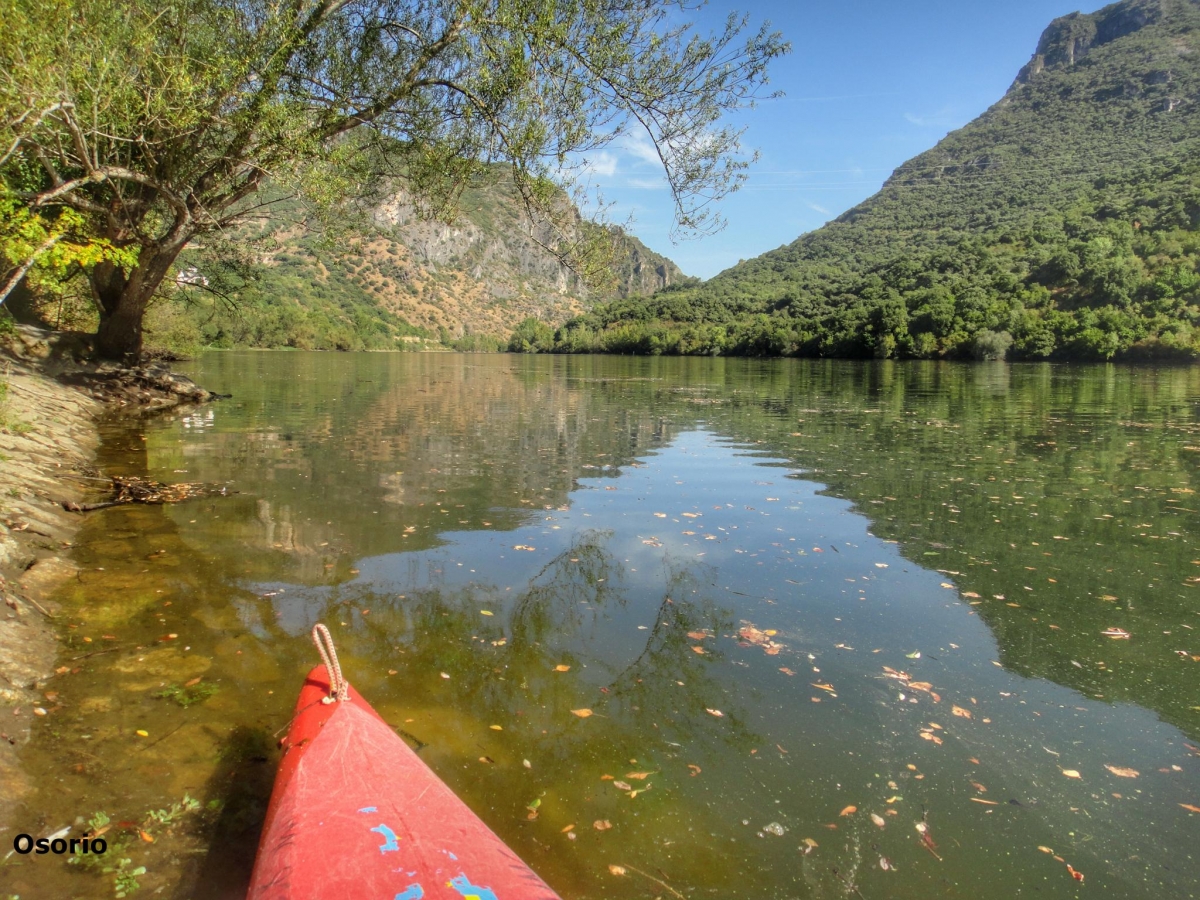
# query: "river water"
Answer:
x=840 y=626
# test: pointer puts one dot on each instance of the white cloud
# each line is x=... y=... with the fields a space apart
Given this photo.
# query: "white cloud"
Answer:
x=638 y=145
x=816 y=207
x=943 y=118
x=647 y=184
x=601 y=163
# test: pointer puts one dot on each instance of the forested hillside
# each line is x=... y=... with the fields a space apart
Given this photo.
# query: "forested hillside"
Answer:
x=1062 y=223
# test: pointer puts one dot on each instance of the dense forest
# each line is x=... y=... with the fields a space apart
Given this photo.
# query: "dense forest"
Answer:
x=1060 y=224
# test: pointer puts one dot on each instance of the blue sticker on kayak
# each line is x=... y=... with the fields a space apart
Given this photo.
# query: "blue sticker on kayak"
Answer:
x=367 y=809
x=412 y=892
x=469 y=891
x=389 y=839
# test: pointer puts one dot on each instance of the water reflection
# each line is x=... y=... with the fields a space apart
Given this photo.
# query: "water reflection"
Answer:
x=782 y=590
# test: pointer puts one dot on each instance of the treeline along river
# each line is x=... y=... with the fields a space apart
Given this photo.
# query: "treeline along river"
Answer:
x=672 y=627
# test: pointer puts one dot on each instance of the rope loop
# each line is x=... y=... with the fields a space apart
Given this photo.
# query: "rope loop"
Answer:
x=337 y=684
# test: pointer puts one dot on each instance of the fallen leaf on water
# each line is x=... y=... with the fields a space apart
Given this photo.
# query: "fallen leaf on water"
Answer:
x=885 y=864
x=893 y=799
x=496 y=727
x=638 y=776
x=916 y=654
x=486 y=612
x=878 y=819
x=1071 y=773
x=1121 y=772
x=960 y=712
x=623 y=786
x=602 y=824
x=979 y=787
x=697 y=635
x=810 y=845
x=633 y=794
x=786 y=671
x=984 y=802
x=606 y=778
x=1045 y=849
x=523 y=547
x=660 y=515
x=561 y=668
x=568 y=828
x=617 y=870
x=582 y=713
x=1117 y=633
x=141 y=733
x=848 y=811
x=192 y=683
x=714 y=712
x=824 y=687
x=696 y=770
x=145 y=836
x=1190 y=808
x=696 y=648
x=1077 y=875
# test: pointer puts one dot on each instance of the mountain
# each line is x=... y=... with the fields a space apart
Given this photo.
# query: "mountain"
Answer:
x=1061 y=224
x=402 y=281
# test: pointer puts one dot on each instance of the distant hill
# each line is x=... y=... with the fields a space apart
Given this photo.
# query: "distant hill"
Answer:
x=1062 y=223
x=403 y=282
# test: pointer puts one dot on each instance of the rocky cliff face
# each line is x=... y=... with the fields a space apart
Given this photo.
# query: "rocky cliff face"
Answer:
x=482 y=274
x=1068 y=40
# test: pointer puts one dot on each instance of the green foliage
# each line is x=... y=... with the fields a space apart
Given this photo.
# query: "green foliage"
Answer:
x=531 y=336
x=1066 y=216
x=174 y=812
x=186 y=696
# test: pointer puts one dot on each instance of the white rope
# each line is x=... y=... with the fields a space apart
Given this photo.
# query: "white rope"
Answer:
x=337 y=684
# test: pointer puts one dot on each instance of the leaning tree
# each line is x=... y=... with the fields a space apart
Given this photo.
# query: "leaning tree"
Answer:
x=133 y=127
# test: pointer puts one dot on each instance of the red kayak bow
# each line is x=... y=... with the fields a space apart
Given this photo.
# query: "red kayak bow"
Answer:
x=356 y=814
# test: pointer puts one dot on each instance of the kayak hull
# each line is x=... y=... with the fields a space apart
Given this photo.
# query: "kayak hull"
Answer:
x=356 y=813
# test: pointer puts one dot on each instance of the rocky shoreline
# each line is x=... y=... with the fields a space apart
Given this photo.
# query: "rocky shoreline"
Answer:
x=48 y=441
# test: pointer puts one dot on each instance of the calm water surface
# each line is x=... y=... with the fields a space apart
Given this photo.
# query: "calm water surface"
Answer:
x=811 y=605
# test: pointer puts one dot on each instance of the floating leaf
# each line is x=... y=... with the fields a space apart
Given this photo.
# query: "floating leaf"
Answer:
x=1045 y=849
x=786 y=671
x=638 y=776
x=697 y=635
x=562 y=668
x=623 y=785
x=960 y=712
x=916 y=654
x=617 y=870
x=848 y=811
x=696 y=770
x=878 y=819
x=568 y=828
x=496 y=727
x=714 y=712
x=824 y=687
x=582 y=713
x=486 y=612
x=810 y=843
x=147 y=837
x=602 y=824
x=1121 y=772
x=141 y=733
x=1116 y=633
x=1190 y=808
x=696 y=648
x=1071 y=773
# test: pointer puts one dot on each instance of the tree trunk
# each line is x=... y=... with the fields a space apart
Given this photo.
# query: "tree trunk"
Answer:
x=123 y=299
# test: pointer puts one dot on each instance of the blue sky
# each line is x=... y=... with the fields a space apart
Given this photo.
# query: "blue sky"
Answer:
x=868 y=85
